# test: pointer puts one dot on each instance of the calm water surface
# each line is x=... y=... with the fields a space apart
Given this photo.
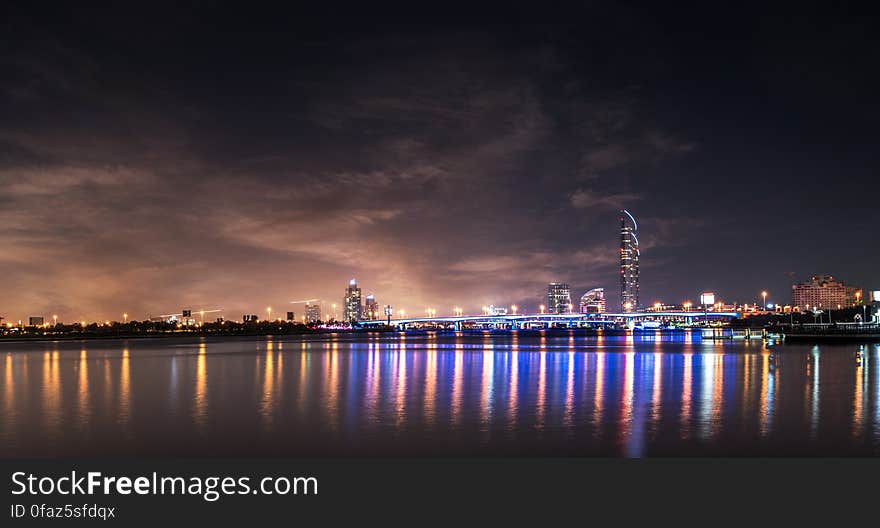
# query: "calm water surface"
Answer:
x=438 y=394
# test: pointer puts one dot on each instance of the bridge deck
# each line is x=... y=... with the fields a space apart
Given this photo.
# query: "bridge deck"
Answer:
x=604 y=318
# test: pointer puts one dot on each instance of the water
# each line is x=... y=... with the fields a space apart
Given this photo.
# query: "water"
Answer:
x=436 y=394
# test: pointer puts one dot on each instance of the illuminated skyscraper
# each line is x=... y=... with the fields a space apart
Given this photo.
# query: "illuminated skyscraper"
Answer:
x=593 y=301
x=629 y=263
x=371 y=309
x=313 y=313
x=558 y=298
x=352 y=308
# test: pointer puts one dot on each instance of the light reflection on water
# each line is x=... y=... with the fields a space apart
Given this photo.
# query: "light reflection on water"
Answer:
x=431 y=394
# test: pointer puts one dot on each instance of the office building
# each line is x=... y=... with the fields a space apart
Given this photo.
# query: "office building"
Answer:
x=558 y=298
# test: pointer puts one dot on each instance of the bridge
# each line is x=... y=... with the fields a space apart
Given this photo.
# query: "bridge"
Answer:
x=572 y=320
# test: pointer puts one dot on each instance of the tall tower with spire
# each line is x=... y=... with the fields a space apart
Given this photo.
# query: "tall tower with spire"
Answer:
x=629 y=262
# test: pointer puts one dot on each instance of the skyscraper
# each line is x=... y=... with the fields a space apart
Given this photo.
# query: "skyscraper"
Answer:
x=593 y=301
x=558 y=298
x=313 y=313
x=629 y=262
x=352 y=308
x=371 y=308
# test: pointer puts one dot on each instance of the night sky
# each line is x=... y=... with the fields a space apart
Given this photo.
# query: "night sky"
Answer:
x=157 y=158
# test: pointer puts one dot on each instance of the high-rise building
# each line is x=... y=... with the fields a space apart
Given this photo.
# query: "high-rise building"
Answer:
x=558 y=298
x=824 y=292
x=313 y=313
x=352 y=307
x=371 y=309
x=629 y=262
x=593 y=301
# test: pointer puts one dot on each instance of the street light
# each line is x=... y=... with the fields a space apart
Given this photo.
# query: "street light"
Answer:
x=513 y=309
x=55 y=319
x=657 y=306
x=687 y=306
x=859 y=301
x=125 y=318
x=543 y=308
x=269 y=313
x=764 y=296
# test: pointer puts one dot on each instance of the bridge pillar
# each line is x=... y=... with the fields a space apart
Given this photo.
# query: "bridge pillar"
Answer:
x=402 y=327
x=458 y=326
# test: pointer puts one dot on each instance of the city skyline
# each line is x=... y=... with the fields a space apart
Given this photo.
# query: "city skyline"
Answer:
x=357 y=307
x=265 y=160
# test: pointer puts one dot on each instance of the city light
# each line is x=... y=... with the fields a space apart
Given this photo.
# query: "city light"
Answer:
x=543 y=308
x=687 y=306
x=513 y=309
